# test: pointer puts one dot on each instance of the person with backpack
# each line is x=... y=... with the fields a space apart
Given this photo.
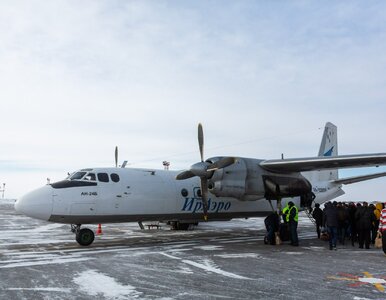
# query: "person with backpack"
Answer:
x=271 y=222
x=352 y=208
x=330 y=221
x=343 y=220
x=364 y=217
x=317 y=214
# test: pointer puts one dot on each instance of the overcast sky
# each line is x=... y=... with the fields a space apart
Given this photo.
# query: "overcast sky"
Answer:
x=78 y=78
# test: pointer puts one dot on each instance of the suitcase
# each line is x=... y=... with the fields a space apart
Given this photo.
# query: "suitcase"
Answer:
x=284 y=232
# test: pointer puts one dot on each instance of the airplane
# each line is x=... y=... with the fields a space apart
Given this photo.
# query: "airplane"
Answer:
x=218 y=188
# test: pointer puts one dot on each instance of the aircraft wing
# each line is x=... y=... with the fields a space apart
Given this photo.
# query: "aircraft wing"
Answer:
x=322 y=163
x=355 y=179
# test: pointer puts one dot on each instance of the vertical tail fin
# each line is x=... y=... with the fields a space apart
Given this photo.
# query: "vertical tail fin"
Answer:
x=328 y=147
x=329 y=144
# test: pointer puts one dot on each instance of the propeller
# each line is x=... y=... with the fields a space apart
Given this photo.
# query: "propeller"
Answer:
x=204 y=170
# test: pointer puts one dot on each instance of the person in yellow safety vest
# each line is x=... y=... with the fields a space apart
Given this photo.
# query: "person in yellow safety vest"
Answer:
x=285 y=212
x=292 y=219
x=375 y=225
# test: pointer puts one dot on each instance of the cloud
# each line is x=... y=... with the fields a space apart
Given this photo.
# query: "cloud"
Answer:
x=79 y=78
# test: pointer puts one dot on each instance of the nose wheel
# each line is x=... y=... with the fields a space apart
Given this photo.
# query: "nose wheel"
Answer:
x=83 y=236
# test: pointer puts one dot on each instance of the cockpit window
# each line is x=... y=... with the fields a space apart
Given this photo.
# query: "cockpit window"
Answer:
x=90 y=176
x=103 y=177
x=77 y=175
x=114 y=177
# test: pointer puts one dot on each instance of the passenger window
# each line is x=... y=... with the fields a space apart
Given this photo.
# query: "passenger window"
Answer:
x=114 y=177
x=103 y=177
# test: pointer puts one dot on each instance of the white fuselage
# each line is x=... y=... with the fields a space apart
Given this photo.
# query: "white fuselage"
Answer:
x=138 y=195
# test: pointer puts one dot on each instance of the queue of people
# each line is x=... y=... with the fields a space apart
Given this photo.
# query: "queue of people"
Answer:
x=359 y=223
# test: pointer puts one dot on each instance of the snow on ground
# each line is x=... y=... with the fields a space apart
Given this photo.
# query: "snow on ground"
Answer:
x=42 y=289
x=40 y=260
x=7 y=201
x=240 y=255
x=372 y=280
x=98 y=284
x=207 y=265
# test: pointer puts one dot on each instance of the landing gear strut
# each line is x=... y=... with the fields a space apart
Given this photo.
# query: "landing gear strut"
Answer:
x=83 y=236
x=181 y=226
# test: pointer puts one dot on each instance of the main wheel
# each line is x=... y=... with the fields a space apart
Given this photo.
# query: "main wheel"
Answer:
x=182 y=226
x=85 y=237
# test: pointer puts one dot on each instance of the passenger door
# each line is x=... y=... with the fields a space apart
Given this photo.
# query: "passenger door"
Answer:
x=111 y=194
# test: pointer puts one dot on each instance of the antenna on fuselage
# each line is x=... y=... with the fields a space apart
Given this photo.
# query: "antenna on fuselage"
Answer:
x=116 y=156
x=116 y=159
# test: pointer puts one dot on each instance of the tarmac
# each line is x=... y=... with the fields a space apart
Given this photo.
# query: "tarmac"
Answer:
x=214 y=260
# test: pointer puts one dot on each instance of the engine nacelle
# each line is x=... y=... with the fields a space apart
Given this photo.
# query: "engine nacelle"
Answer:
x=291 y=185
x=230 y=181
x=246 y=180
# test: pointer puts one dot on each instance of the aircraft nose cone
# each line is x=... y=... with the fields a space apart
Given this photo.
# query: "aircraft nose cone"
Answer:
x=36 y=204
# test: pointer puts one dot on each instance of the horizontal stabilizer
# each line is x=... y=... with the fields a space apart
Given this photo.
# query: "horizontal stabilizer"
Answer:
x=323 y=163
x=356 y=179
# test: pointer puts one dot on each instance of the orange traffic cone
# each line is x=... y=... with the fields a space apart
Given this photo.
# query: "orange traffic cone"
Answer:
x=99 y=230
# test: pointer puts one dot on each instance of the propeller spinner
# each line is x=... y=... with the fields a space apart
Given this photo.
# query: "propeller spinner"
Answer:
x=204 y=170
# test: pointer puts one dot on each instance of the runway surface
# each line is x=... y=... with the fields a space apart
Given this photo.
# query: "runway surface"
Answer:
x=215 y=260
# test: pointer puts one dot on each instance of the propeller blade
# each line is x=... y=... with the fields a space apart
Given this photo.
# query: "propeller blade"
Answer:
x=204 y=195
x=116 y=156
x=201 y=141
x=184 y=175
x=222 y=163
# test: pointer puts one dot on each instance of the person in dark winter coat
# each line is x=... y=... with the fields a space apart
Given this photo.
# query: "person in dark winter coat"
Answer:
x=272 y=222
x=365 y=218
x=352 y=223
x=317 y=214
x=330 y=221
x=342 y=222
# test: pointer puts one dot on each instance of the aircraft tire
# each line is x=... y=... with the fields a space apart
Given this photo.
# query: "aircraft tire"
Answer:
x=85 y=237
x=182 y=226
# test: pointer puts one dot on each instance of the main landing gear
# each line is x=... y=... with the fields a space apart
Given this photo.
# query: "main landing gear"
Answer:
x=83 y=236
x=176 y=225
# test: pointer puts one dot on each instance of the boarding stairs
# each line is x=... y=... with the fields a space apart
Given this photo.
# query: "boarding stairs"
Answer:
x=309 y=215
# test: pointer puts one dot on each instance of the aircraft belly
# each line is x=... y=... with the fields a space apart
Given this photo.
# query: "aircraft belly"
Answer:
x=87 y=219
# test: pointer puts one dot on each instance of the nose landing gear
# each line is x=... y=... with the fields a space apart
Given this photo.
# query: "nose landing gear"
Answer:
x=83 y=236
